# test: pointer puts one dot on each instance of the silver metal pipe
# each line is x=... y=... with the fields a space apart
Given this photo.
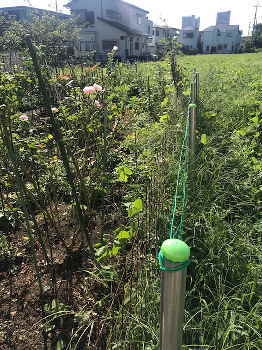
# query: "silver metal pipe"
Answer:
x=193 y=131
x=173 y=287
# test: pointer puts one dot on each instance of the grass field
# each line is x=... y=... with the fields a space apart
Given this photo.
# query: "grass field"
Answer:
x=84 y=210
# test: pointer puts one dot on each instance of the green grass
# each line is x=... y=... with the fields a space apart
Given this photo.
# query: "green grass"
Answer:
x=223 y=227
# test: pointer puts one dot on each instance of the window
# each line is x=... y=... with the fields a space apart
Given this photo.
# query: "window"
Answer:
x=229 y=34
x=85 y=45
x=153 y=32
x=188 y=35
x=218 y=33
x=220 y=47
x=114 y=15
x=225 y=46
x=207 y=48
x=137 y=46
x=157 y=32
x=139 y=19
x=108 y=44
x=85 y=17
x=148 y=29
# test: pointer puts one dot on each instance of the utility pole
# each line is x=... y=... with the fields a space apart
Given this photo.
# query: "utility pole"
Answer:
x=257 y=6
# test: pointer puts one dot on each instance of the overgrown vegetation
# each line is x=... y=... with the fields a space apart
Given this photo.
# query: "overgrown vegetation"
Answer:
x=88 y=166
x=55 y=37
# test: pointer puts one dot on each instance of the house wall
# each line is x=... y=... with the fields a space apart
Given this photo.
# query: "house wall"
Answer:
x=189 y=35
x=134 y=17
x=104 y=32
x=161 y=34
x=189 y=42
x=227 y=42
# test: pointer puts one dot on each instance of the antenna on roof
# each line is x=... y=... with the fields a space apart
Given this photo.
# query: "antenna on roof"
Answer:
x=53 y=5
x=29 y=3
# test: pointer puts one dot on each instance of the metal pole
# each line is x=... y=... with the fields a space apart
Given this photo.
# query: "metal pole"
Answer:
x=173 y=286
x=193 y=123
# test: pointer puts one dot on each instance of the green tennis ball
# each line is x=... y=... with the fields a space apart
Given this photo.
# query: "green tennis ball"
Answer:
x=175 y=250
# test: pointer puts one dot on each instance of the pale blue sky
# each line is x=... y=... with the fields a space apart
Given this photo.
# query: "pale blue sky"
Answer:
x=172 y=11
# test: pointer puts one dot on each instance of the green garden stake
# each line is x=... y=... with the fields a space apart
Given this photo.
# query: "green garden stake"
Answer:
x=174 y=259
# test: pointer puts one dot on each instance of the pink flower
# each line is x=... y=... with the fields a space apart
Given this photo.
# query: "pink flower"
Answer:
x=89 y=90
x=24 y=117
x=98 y=87
x=98 y=104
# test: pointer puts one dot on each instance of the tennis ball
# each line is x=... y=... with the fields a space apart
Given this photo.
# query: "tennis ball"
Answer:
x=175 y=250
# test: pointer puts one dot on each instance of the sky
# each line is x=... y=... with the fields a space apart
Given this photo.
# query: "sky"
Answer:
x=242 y=11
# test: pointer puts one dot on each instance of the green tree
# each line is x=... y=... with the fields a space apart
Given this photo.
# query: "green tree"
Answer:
x=55 y=37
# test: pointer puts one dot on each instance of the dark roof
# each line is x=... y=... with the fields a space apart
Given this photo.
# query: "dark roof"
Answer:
x=34 y=8
x=222 y=28
x=136 y=7
x=121 y=27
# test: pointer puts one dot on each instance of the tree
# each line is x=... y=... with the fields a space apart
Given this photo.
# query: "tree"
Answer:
x=53 y=36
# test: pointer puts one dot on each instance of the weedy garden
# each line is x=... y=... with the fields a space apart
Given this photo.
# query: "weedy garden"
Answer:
x=89 y=159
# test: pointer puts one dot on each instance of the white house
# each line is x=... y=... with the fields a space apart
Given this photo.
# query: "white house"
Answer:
x=189 y=35
x=109 y=23
x=223 y=37
x=160 y=36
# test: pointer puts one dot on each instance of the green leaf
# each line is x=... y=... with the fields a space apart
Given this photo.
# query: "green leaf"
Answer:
x=255 y=120
x=164 y=118
x=187 y=92
x=165 y=102
x=203 y=139
x=123 y=173
x=242 y=132
x=114 y=251
x=210 y=114
x=100 y=251
x=135 y=207
x=124 y=235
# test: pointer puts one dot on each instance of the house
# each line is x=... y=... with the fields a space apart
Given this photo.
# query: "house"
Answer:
x=189 y=35
x=108 y=23
x=161 y=35
x=223 y=37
